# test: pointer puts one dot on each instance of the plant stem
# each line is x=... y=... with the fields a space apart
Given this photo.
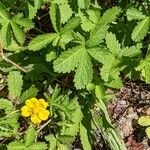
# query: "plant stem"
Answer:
x=10 y=61
x=44 y=125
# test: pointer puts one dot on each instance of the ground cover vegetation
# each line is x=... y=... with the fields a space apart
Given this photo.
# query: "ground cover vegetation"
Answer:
x=60 y=61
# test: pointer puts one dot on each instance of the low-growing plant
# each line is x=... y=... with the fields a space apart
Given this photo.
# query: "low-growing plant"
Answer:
x=58 y=58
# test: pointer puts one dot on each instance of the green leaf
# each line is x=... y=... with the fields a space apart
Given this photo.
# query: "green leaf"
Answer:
x=97 y=35
x=83 y=4
x=52 y=142
x=84 y=138
x=144 y=121
x=71 y=24
x=130 y=51
x=115 y=83
x=38 y=146
x=144 y=67
x=19 y=34
x=65 y=12
x=98 y=53
x=55 y=16
x=41 y=41
x=133 y=13
x=86 y=23
x=6 y=104
x=141 y=30
x=3 y=12
x=16 y=145
x=110 y=69
x=65 y=39
x=15 y=83
x=99 y=92
x=84 y=72
x=94 y=15
x=23 y=22
x=110 y=15
x=148 y=132
x=30 y=136
x=6 y=34
x=34 y=8
x=112 y=44
x=62 y=147
x=51 y=56
x=31 y=92
x=65 y=139
x=68 y=60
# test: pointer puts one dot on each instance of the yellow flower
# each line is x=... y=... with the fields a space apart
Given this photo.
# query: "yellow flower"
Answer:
x=31 y=103
x=26 y=111
x=43 y=114
x=42 y=103
x=35 y=119
x=36 y=110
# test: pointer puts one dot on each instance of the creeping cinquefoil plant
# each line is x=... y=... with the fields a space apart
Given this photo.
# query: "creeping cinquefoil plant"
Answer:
x=58 y=59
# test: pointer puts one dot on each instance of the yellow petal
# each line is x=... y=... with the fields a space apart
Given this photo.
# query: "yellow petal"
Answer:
x=43 y=114
x=25 y=111
x=43 y=103
x=35 y=119
x=31 y=102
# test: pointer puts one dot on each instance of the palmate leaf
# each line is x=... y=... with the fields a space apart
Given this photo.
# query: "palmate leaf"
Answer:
x=41 y=41
x=71 y=59
x=141 y=30
x=133 y=13
x=110 y=15
x=15 y=83
x=84 y=72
